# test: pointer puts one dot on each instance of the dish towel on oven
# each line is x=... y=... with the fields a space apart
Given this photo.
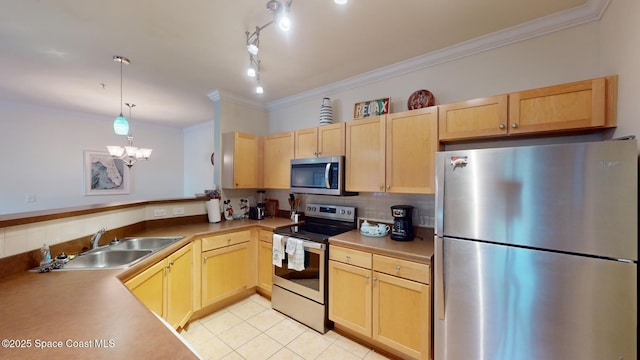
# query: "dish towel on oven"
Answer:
x=295 y=250
x=278 y=249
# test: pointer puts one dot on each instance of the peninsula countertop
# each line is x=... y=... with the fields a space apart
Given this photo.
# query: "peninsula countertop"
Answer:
x=90 y=314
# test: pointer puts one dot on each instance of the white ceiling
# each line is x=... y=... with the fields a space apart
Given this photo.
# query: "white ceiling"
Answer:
x=58 y=52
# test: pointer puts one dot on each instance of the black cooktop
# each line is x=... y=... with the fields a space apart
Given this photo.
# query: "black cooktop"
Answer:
x=310 y=231
x=321 y=223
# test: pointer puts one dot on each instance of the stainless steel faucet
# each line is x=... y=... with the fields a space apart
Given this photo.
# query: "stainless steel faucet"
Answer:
x=96 y=238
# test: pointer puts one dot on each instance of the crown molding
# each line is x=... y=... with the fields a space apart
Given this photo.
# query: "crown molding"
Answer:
x=218 y=95
x=592 y=10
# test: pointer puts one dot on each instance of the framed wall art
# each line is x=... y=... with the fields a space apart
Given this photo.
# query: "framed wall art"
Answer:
x=104 y=175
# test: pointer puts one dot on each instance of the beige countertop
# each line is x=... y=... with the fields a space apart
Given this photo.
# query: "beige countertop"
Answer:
x=420 y=249
x=81 y=310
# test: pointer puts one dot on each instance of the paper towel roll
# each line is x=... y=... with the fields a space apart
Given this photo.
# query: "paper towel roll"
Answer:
x=213 y=210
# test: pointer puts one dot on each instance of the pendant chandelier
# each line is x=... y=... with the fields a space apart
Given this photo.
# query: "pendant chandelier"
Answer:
x=129 y=154
x=120 y=124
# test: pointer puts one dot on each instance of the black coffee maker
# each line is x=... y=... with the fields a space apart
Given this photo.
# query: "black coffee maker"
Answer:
x=402 y=229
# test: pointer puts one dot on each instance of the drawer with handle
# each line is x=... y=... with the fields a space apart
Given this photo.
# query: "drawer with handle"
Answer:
x=402 y=268
x=265 y=235
x=218 y=241
x=350 y=256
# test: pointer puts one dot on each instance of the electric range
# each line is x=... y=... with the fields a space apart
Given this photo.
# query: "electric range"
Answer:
x=302 y=293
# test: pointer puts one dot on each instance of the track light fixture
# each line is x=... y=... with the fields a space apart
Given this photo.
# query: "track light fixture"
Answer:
x=280 y=10
x=259 y=88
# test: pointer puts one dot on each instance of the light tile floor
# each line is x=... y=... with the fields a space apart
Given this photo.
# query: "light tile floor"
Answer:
x=250 y=329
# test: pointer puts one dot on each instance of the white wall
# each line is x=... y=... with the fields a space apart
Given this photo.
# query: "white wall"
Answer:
x=41 y=152
x=239 y=117
x=198 y=147
x=620 y=48
x=560 y=57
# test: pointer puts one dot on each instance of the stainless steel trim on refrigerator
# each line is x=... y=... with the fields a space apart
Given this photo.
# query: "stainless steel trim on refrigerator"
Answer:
x=536 y=252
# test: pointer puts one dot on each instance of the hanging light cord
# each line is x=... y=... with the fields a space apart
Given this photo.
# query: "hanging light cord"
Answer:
x=121 y=87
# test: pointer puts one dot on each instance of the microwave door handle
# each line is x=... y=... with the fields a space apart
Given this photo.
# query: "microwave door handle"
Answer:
x=326 y=176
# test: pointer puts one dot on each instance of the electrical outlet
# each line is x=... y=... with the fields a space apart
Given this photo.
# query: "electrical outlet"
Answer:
x=159 y=212
x=30 y=197
x=178 y=211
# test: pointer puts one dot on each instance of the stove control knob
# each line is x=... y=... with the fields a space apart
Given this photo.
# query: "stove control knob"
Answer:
x=308 y=208
x=342 y=212
x=348 y=212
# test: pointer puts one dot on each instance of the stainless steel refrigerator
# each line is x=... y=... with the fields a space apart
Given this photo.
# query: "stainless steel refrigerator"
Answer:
x=537 y=252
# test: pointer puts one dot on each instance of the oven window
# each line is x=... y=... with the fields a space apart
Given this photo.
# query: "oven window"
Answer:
x=309 y=277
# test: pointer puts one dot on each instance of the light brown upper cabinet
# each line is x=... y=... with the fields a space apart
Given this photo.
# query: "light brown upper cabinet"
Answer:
x=473 y=118
x=578 y=106
x=327 y=140
x=393 y=153
x=412 y=142
x=365 y=155
x=240 y=161
x=277 y=155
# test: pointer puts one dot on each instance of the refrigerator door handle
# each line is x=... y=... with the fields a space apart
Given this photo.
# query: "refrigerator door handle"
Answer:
x=439 y=259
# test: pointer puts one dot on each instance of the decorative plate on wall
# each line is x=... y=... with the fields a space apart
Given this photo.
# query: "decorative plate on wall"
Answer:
x=420 y=99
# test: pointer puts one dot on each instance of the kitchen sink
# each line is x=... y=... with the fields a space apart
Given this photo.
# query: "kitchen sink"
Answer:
x=107 y=259
x=119 y=254
x=146 y=243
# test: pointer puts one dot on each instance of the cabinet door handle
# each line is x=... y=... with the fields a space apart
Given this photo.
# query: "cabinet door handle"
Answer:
x=348 y=258
x=367 y=277
x=204 y=260
x=228 y=241
x=501 y=126
x=381 y=187
x=388 y=187
x=375 y=279
x=514 y=125
x=398 y=268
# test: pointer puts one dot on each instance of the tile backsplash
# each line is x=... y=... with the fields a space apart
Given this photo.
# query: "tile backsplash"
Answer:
x=374 y=206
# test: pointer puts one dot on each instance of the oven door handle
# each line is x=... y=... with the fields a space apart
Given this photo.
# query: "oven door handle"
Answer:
x=313 y=245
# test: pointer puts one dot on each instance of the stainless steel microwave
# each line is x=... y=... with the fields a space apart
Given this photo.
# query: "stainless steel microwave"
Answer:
x=323 y=175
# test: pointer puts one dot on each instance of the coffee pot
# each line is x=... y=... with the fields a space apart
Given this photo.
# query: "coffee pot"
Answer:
x=402 y=229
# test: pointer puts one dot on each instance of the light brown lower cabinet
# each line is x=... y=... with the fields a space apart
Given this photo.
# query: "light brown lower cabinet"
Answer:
x=166 y=288
x=265 y=263
x=385 y=299
x=225 y=272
